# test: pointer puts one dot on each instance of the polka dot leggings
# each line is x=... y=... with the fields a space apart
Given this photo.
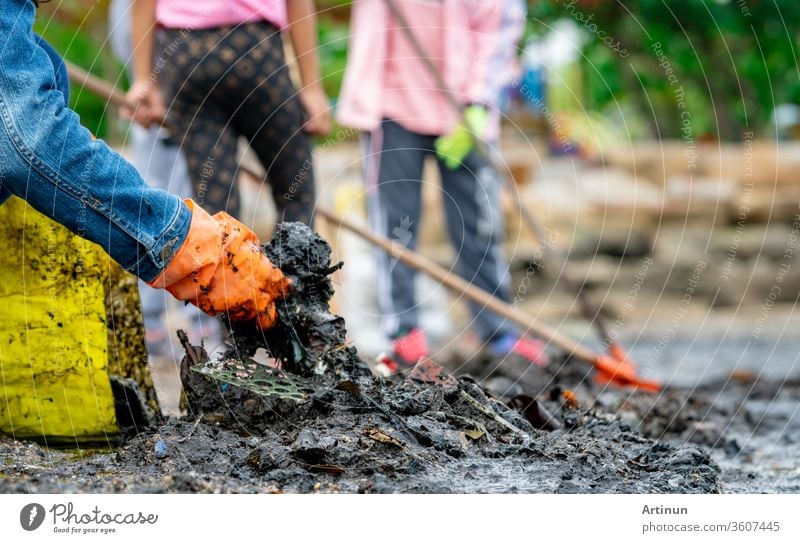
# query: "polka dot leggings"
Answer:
x=226 y=82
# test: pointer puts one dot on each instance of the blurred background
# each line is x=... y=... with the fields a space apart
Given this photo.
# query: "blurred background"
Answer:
x=656 y=141
x=736 y=61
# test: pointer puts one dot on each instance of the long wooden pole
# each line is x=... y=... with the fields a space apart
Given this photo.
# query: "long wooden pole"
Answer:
x=619 y=372
x=94 y=84
x=103 y=89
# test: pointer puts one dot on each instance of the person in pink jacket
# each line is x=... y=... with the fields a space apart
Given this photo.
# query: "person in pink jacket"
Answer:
x=390 y=94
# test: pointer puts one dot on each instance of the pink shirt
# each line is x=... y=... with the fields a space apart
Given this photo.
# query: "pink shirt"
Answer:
x=196 y=14
x=409 y=96
x=385 y=79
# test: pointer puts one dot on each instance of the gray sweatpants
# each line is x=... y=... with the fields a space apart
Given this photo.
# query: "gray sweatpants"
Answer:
x=393 y=172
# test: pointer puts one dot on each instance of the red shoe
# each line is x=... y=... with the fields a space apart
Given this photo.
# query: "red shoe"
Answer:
x=532 y=350
x=408 y=349
x=385 y=366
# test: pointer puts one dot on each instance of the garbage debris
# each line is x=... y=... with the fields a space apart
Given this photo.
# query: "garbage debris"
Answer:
x=307 y=340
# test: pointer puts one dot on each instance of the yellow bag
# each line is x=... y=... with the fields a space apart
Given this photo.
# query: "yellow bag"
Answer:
x=54 y=378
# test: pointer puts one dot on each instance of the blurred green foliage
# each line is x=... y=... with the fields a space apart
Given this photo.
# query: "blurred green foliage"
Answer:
x=332 y=54
x=77 y=29
x=734 y=59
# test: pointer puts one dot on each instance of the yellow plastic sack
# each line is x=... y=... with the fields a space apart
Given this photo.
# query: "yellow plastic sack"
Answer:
x=54 y=381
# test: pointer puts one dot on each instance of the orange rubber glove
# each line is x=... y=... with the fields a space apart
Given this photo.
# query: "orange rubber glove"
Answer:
x=221 y=268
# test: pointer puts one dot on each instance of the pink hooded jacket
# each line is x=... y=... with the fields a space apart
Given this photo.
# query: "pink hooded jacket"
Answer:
x=470 y=39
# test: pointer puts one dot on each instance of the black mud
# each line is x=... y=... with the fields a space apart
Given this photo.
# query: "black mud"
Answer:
x=737 y=436
x=337 y=444
x=749 y=426
x=308 y=339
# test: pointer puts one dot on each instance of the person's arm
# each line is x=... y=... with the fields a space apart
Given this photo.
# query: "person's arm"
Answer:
x=144 y=92
x=56 y=165
x=303 y=33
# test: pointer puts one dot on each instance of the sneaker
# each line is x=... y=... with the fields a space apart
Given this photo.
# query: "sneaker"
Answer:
x=532 y=350
x=408 y=349
x=385 y=366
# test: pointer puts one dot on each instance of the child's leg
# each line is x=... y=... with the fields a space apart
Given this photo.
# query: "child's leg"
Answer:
x=201 y=117
x=394 y=196
x=271 y=117
x=160 y=162
x=148 y=158
x=475 y=223
x=209 y=146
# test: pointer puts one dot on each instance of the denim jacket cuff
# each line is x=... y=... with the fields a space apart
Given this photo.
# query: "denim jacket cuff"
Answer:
x=160 y=255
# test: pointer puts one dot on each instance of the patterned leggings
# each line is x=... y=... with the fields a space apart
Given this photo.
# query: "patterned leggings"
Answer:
x=226 y=82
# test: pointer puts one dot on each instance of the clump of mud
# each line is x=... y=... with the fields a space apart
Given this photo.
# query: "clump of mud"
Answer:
x=307 y=340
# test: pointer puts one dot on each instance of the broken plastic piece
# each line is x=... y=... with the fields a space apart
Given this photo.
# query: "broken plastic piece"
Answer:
x=257 y=378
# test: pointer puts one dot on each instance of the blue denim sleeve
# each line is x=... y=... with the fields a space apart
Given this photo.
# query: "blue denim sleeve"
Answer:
x=60 y=69
x=48 y=159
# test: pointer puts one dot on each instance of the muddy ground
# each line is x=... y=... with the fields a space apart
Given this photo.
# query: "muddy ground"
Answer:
x=736 y=436
x=482 y=425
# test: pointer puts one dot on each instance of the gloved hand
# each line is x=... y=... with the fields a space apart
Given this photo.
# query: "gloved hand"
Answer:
x=221 y=268
x=453 y=148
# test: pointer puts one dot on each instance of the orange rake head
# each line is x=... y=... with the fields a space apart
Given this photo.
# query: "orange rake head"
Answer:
x=619 y=370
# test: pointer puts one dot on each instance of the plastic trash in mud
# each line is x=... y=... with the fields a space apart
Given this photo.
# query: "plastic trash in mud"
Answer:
x=250 y=375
